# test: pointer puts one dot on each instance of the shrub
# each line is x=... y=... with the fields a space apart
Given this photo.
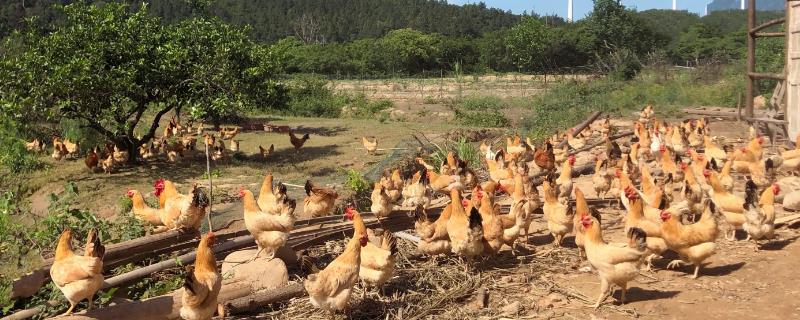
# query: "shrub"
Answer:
x=14 y=158
x=309 y=96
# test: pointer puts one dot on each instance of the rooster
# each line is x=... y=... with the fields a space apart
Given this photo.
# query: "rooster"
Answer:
x=759 y=213
x=297 y=142
x=202 y=283
x=92 y=159
x=78 y=277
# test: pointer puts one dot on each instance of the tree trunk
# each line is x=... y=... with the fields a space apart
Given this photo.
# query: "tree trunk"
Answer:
x=133 y=149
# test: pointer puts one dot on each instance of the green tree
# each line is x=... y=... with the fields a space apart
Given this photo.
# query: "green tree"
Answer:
x=527 y=42
x=614 y=27
x=409 y=51
x=110 y=68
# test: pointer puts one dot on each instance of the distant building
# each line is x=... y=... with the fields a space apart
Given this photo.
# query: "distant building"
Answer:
x=761 y=5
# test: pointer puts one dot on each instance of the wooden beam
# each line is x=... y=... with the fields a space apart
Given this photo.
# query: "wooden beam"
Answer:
x=765 y=75
x=755 y=29
x=770 y=34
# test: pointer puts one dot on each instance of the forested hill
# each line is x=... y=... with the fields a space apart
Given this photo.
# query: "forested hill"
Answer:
x=315 y=20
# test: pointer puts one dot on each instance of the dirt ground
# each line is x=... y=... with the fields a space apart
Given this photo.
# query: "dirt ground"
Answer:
x=547 y=282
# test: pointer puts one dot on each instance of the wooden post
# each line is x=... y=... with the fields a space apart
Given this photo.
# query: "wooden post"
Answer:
x=751 y=57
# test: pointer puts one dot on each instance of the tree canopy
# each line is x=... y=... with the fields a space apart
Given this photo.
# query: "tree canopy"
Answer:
x=111 y=68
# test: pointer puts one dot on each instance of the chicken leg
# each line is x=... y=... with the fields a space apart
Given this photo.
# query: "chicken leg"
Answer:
x=603 y=292
x=255 y=256
x=624 y=289
x=69 y=311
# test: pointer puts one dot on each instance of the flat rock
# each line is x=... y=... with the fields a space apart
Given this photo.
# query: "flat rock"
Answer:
x=260 y=273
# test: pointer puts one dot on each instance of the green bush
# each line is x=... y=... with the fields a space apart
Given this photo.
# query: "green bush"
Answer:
x=309 y=96
x=14 y=158
x=361 y=107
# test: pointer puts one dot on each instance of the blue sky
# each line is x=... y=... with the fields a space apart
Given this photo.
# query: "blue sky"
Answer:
x=582 y=7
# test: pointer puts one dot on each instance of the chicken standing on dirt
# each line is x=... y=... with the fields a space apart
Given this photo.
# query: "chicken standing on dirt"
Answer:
x=636 y=219
x=693 y=242
x=202 y=283
x=78 y=277
x=319 y=201
x=759 y=213
x=270 y=231
x=297 y=142
x=557 y=214
x=601 y=180
x=378 y=262
x=615 y=265
x=370 y=146
x=465 y=231
x=330 y=289
x=564 y=181
x=731 y=206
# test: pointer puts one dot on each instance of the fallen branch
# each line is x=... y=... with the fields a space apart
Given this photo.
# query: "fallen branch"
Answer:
x=583 y=125
x=597 y=144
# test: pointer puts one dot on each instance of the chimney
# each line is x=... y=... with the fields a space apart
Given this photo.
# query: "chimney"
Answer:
x=569 y=11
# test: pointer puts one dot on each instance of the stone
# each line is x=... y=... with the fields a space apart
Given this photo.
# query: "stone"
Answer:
x=510 y=310
x=552 y=300
x=260 y=273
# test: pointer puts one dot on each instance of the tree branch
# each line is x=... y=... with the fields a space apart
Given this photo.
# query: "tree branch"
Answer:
x=152 y=132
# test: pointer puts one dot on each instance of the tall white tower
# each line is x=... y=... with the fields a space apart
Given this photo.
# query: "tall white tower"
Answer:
x=569 y=10
x=742 y=6
x=674 y=5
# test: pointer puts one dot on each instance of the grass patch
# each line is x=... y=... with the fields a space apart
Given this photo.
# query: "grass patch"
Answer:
x=463 y=149
x=480 y=111
x=567 y=104
x=311 y=96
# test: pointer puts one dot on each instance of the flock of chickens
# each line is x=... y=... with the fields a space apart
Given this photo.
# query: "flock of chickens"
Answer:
x=675 y=197
x=177 y=142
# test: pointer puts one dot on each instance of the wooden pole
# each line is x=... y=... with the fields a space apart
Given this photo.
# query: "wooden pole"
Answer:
x=751 y=57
